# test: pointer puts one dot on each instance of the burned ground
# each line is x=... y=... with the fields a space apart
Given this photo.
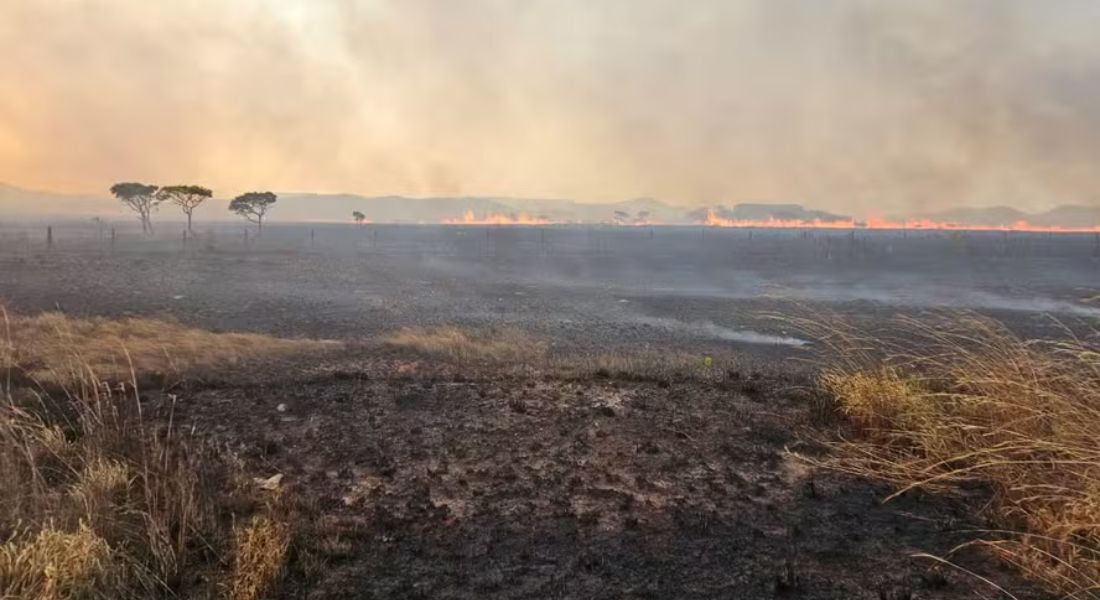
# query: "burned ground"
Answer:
x=413 y=475
x=417 y=479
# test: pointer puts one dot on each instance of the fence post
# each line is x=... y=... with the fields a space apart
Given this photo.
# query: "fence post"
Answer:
x=49 y=236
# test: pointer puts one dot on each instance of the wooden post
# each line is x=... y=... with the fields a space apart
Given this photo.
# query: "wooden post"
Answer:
x=312 y=237
x=112 y=238
x=49 y=236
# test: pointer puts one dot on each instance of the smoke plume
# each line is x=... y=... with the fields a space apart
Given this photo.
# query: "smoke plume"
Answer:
x=856 y=106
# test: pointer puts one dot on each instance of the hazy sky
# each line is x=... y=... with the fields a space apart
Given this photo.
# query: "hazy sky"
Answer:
x=860 y=106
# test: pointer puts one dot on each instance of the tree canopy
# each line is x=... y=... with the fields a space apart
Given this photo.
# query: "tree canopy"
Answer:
x=187 y=197
x=141 y=198
x=253 y=206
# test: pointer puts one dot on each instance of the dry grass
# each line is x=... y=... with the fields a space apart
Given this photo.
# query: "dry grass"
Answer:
x=958 y=399
x=259 y=551
x=58 y=564
x=511 y=348
x=648 y=365
x=99 y=500
x=55 y=348
x=503 y=344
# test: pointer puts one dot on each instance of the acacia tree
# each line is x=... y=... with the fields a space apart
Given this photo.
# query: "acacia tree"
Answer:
x=187 y=197
x=253 y=206
x=359 y=217
x=140 y=198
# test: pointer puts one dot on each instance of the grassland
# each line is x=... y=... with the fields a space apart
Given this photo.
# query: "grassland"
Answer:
x=957 y=401
x=102 y=501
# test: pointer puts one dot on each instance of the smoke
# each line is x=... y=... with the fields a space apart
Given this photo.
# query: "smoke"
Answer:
x=856 y=106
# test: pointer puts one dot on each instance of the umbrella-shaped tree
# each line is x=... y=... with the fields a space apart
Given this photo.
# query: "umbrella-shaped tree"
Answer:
x=253 y=206
x=140 y=198
x=187 y=197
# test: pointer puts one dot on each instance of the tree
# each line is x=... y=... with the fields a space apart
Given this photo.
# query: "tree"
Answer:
x=187 y=197
x=359 y=217
x=140 y=198
x=253 y=206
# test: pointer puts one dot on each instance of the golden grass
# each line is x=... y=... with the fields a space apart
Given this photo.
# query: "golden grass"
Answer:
x=647 y=365
x=96 y=500
x=508 y=347
x=259 y=551
x=58 y=564
x=457 y=344
x=959 y=399
x=56 y=348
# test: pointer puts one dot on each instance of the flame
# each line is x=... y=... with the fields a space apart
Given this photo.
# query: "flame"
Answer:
x=522 y=218
x=714 y=220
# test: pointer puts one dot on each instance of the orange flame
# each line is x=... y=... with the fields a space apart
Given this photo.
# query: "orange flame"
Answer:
x=714 y=220
x=468 y=218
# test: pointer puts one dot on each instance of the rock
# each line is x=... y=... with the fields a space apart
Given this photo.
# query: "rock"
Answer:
x=281 y=407
x=271 y=483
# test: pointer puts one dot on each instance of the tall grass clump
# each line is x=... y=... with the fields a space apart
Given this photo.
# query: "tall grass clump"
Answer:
x=99 y=499
x=950 y=401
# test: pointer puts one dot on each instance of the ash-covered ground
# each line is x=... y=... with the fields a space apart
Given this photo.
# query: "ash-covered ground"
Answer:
x=579 y=286
x=428 y=477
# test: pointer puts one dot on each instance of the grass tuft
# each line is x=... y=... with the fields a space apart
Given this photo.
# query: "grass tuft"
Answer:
x=461 y=345
x=59 y=565
x=956 y=400
x=259 y=551
x=101 y=500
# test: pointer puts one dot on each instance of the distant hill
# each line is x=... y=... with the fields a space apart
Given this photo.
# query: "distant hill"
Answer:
x=19 y=203
x=764 y=212
x=382 y=209
x=1068 y=215
x=388 y=209
x=993 y=215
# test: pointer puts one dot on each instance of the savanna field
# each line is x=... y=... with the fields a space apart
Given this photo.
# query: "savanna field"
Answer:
x=550 y=300
x=521 y=412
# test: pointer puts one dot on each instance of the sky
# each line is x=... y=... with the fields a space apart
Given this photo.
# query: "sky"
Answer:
x=858 y=106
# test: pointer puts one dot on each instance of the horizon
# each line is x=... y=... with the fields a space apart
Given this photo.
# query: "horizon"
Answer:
x=499 y=210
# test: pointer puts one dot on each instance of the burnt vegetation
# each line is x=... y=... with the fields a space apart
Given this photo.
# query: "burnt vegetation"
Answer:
x=182 y=453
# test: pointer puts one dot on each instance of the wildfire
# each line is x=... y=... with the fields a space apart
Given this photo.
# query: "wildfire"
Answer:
x=714 y=220
x=522 y=218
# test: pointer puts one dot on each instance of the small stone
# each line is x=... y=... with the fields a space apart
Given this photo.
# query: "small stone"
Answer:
x=271 y=483
x=281 y=407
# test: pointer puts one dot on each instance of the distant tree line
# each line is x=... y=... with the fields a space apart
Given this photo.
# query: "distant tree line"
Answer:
x=145 y=199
